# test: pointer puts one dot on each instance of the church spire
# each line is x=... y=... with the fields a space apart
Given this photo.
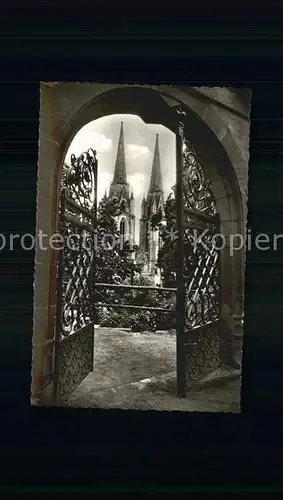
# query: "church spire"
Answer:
x=156 y=179
x=120 y=176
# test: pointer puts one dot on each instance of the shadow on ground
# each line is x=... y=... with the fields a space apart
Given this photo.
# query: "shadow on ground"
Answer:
x=138 y=371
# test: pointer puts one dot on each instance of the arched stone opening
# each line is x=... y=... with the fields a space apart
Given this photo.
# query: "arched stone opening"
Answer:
x=209 y=133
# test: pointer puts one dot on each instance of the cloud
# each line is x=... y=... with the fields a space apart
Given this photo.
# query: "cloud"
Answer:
x=86 y=138
x=135 y=150
x=104 y=144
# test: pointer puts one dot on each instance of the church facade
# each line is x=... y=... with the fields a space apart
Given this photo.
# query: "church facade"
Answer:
x=121 y=191
x=150 y=241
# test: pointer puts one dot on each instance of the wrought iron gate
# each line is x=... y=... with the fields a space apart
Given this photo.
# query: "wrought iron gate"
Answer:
x=74 y=336
x=198 y=274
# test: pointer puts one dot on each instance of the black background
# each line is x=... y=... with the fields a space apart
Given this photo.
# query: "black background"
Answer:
x=73 y=446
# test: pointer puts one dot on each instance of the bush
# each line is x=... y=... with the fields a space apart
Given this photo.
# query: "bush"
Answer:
x=114 y=319
x=142 y=320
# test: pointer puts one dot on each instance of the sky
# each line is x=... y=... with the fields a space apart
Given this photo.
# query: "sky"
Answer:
x=139 y=137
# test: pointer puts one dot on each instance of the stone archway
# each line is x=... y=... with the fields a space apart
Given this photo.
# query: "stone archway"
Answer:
x=67 y=107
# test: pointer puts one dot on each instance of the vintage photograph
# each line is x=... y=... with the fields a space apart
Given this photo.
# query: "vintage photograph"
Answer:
x=140 y=246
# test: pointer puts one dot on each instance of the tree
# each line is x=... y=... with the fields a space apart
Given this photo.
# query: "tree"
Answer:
x=167 y=256
x=106 y=256
x=112 y=255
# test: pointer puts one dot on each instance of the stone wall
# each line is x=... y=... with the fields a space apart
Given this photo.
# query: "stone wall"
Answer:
x=229 y=98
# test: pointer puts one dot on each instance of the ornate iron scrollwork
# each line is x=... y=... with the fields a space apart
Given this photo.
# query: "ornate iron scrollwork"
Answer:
x=78 y=215
x=199 y=337
x=202 y=356
x=202 y=278
x=77 y=262
x=198 y=194
x=201 y=256
x=80 y=179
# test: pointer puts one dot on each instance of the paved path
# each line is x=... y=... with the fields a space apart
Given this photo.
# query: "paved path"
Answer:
x=137 y=371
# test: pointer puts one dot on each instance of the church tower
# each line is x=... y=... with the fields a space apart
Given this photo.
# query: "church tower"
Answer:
x=120 y=191
x=149 y=239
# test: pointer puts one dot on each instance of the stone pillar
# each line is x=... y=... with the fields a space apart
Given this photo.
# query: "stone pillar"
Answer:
x=44 y=303
x=45 y=279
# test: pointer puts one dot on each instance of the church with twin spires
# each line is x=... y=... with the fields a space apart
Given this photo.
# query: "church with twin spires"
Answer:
x=121 y=191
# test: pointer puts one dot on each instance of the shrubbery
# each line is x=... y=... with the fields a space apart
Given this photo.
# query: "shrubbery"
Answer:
x=140 y=320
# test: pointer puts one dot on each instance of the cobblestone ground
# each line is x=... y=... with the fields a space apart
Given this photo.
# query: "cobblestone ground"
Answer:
x=137 y=371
